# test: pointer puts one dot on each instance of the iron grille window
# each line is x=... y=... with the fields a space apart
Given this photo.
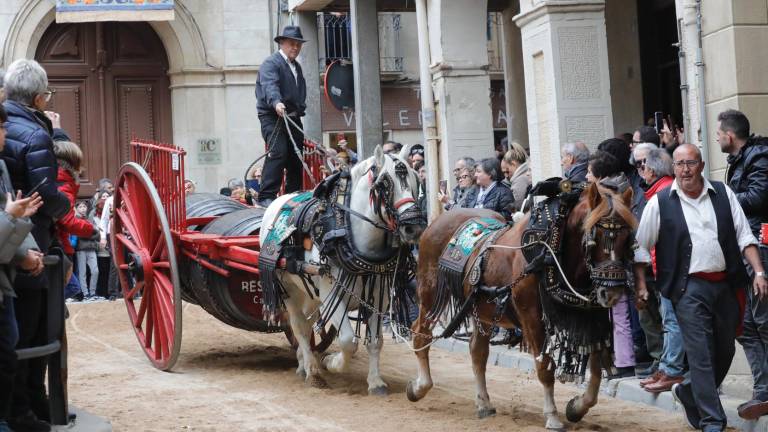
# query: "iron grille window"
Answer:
x=336 y=31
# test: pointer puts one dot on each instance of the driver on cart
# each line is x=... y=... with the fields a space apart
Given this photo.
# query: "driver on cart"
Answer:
x=281 y=91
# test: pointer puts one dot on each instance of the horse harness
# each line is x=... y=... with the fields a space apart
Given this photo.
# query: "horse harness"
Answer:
x=322 y=219
x=458 y=259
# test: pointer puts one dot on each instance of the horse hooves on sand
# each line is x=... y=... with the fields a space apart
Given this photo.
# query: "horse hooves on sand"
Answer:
x=486 y=412
x=378 y=391
x=410 y=393
x=571 y=414
x=319 y=382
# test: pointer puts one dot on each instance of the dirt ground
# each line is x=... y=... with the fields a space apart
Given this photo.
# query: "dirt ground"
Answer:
x=231 y=380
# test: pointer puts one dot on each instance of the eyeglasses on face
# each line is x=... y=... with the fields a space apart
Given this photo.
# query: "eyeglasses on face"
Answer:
x=49 y=94
x=464 y=176
x=686 y=163
x=417 y=151
x=639 y=163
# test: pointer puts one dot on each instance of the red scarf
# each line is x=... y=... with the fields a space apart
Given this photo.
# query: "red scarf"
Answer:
x=658 y=185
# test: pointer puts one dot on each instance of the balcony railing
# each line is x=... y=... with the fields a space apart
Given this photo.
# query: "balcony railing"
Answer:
x=336 y=30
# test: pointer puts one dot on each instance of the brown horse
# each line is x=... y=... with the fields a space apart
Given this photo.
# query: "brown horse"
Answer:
x=601 y=213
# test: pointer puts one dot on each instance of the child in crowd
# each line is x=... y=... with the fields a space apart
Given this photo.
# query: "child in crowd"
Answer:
x=70 y=158
x=86 y=254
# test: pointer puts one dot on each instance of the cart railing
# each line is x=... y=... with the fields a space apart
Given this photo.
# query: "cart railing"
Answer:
x=164 y=163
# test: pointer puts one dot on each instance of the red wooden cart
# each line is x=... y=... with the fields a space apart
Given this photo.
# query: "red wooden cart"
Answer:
x=203 y=249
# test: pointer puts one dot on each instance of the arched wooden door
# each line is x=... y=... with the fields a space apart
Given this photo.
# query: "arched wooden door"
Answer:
x=111 y=82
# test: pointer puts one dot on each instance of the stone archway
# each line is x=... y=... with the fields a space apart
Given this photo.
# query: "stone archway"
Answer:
x=181 y=37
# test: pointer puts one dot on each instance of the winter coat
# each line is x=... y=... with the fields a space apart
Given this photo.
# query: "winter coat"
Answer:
x=519 y=183
x=499 y=199
x=29 y=157
x=15 y=239
x=71 y=224
x=747 y=176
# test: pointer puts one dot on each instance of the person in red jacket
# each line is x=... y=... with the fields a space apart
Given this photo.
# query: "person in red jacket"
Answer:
x=70 y=157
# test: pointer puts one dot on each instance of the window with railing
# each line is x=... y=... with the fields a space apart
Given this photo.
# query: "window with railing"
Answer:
x=495 y=45
x=336 y=31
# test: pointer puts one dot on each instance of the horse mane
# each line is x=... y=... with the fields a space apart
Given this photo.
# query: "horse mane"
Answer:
x=604 y=210
x=361 y=169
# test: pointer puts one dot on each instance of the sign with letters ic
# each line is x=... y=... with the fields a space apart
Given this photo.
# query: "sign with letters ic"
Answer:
x=71 y=11
x=209 y=151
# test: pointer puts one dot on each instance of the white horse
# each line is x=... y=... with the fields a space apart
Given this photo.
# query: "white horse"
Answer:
x=383 y=190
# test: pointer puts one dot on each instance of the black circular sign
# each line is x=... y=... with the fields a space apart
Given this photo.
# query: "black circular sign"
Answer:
x=339 y=85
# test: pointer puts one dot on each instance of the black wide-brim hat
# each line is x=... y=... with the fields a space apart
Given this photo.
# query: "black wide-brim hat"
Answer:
x=291 y=32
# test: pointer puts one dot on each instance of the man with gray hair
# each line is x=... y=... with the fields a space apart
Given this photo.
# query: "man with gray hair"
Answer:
x=574 y=158
x=31 y=163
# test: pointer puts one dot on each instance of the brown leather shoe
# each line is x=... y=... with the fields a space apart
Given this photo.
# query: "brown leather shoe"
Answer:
x=664 y=383
x=753 y=409
x=651 y=379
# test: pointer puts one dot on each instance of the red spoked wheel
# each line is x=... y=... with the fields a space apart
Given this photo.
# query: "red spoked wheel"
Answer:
x=145 y=255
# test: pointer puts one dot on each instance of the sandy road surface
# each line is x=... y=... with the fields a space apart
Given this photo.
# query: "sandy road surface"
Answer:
x=231 y=380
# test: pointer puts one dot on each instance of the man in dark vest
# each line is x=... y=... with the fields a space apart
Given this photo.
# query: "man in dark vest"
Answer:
x=281 y=91
x=700 y=234
x=747 y=175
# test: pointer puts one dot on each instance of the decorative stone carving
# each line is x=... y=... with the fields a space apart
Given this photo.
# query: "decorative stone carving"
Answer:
x=579 y=62
x=588 y=128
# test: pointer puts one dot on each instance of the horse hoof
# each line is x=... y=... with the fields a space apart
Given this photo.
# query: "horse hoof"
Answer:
x=378 y=391
x=571 y=413
x=410 y=393
x=301 y=372
x=554 y=424
x=486 y=412
x=317 y=381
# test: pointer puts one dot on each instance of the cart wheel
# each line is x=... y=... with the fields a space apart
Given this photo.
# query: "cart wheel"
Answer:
x=145 y=256
x=319 y=342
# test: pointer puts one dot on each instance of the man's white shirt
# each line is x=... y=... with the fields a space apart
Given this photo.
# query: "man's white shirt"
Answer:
x=706 y=254
x=292 y=65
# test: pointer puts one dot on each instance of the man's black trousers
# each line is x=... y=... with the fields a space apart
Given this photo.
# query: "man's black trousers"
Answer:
x=708 y=314
x=281 y=156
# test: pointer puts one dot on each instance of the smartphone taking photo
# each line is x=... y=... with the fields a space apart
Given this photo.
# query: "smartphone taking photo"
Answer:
x=443 y=186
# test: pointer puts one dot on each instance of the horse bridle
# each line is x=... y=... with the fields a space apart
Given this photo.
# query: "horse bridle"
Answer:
x=382 y=195
x=615 y=271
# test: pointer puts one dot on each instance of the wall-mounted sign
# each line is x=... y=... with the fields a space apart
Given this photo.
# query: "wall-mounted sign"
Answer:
x=68 y=11
x=209 y=151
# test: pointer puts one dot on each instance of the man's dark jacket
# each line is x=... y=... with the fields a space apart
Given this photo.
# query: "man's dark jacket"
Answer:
x=29 y=156
x=498 y=199
x=747 y=176
x=277 y=84
x=577 y=173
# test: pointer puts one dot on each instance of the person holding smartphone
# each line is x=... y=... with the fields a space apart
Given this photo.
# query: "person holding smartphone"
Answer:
x=463 y=170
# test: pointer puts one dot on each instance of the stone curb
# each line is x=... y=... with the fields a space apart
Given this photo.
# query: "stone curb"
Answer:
x=627 y=389
x=85 y=422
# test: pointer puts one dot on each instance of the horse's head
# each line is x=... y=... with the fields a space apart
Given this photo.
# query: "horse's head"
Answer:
x=394 y=187
x=609 y=240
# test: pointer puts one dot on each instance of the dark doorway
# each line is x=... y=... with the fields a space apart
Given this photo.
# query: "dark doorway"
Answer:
x=111 y=82
x=657 y=21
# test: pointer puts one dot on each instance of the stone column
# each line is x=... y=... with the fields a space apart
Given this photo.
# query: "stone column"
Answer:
x=365 y=60
x=514 y=77
x=460 y=80
x=310 y=66
x=565 y=57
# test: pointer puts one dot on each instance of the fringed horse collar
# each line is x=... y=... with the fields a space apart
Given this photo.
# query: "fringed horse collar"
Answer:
x=333 y=233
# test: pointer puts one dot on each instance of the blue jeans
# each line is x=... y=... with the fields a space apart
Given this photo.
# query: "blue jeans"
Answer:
x=672 y=360
x=9 y=336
